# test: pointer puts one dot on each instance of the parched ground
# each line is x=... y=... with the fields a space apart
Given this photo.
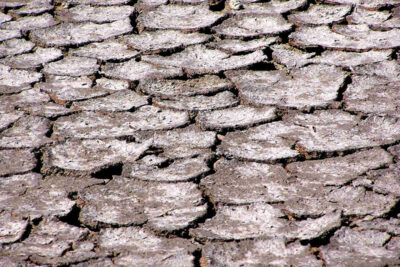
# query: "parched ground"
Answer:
x=175 y=133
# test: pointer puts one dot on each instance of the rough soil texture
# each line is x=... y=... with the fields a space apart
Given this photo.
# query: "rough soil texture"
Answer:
x=200 y=133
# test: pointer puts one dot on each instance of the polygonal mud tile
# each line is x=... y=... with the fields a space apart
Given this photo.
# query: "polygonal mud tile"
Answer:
x=351 y=59
x=388 y=68
x=33 y=60
x=161 y=41
x=177 y=17
x=13 y=3
x=124 y=202
x=188 y=2
x=241 y=222
x=358 y=248
x=16 y=161
x=149 y=4
x=339 y=170
x=207 y=84
x=188 y=137
x=199 y=59
x=108 y=50
x=96 y=125
x=88 y=156
x=320 y=15
x=38 y=202
x=290 y=57
x=69 y=183
x=252 y=26
x=240 y=116
x=133 y=70
x=4 y=18
x=233 y=46
x=395 y=151
x=122 y=100
x=248 y=183
x=275 y=252
x=18 y=184
x=314 y=85
x=390 y=226
x=30 y=23
x=8 y=118
x=377 y=20
x=9 y=34
x=72 y=66
x=98 y=262
x=87 y=13
x=27 y=132
x=11 y=227
x=34 y=7
x=264 y=143
x=372 y=94
x=180 y=170
x=15 y=47
x=352 y=201
x=112 y=85
x=49 y=110
x=220 y=100
x=345 y=37
x=271 y=7
x=143 y=248
x=385 y=181
x=370 y=4
x=14 y=81
x=98 y=2
x=77 y=34
x=54 y=243
x=65 y=88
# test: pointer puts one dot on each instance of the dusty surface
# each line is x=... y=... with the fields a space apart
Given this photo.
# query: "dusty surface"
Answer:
x=174 y=133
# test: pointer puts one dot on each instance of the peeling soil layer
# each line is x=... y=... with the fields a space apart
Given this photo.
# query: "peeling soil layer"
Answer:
x=200 y=133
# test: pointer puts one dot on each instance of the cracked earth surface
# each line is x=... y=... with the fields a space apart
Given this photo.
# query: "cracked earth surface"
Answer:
x=183 y=133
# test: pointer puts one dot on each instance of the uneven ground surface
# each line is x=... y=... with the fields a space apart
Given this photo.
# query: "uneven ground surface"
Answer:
x=169 y=133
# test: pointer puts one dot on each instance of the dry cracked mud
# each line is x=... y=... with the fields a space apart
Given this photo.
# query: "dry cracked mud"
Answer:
x=200 y=133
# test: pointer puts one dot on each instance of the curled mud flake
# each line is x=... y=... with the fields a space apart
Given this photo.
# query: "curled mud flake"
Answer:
x=11 y=227
x=96 y=125
x=252 y=26
x=314 y=85
x=149 y=4
x=351 y=59
x=33 y=7
x=13 y=3
x=67 y=34
x=112 y=85
x=30 y=23
x=135 y=71
x=390 y=226
x=7 y=118
x=269 y=8
x=122 y=100
x=395 y=151
x=124 y=202
x=162 y=41
x=165 y=89
x=199 y=59
x=366 y=4
x=66 y=88
x=320 y=15
x=72 y=66
x=9 y=34
x=107 y=50
x=373 y=95
x=14 y=81
x=389 y=69
x=92 y=155
x=16 y=161
x=178 y=17
x=28 y=132
x=15 y=47
x=364 y=16
x=33 y=60
x=178 y=171
x=48 y=110
x=4 y=18
x=358 y=248
x=54 y=243
x=144 y=248
x=385 y=181
x=275 y=251
x=291 y=58
x=70 y=184
x=248 y=183
x=345 y=37
x=339 y=170
x=87 y=13
x=240 y=116
x=233 y=46
x=98 y=2
x=199 y=103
